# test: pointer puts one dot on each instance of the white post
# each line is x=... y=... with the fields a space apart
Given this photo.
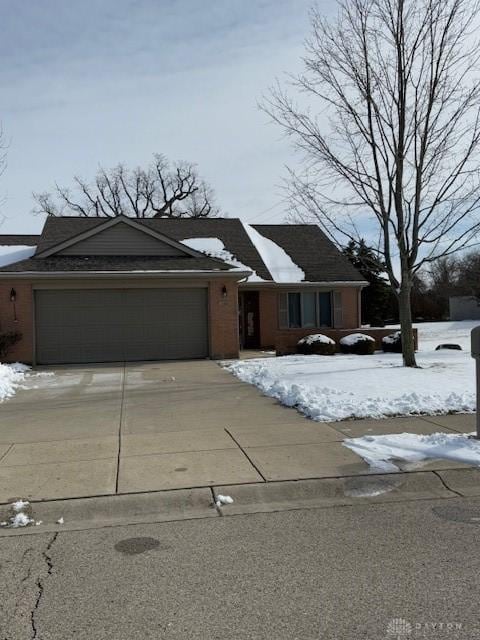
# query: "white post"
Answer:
x=475 y=338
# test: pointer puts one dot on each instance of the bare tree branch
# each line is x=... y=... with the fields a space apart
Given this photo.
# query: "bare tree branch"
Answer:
x=396 y=142
x=160 y=190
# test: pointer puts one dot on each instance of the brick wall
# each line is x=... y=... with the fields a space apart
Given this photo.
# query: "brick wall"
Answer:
x=23 y=350
x=224 y=339
x=268 y=306
x=286 y=339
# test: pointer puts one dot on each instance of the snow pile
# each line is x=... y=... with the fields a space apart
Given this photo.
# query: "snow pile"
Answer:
x=381 y=452
x=18 y=518
x=316 y=338
x=14 y=253
x=355 y=338
x=222 y=500
x=276 y=259
x=12 y=376
x=371 y=386
x=215 y=248
x=19 y=505
x=61 y=521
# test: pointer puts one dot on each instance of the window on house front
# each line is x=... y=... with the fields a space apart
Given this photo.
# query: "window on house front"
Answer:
x=294 y=310
x=309 y=309
x=306 y=309
x=325 y=309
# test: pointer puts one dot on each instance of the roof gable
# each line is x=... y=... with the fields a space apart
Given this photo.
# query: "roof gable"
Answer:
x=118 y=236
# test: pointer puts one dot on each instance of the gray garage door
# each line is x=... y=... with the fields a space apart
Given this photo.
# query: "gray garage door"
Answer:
x=108 y=325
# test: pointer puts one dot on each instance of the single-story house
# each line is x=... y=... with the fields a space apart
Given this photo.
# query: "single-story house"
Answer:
x=122 y=289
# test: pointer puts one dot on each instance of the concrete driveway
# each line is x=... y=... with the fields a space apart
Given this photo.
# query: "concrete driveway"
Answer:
x=140 y=427
x=122 y=428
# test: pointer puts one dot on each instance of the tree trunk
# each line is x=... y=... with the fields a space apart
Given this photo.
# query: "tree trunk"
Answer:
x=406 y=327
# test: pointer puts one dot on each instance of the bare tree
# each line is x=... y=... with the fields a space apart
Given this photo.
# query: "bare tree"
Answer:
x=160 y=190
x=390 y=133
x=468 y=275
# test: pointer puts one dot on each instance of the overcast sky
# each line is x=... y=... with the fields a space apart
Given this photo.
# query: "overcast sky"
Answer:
x=107 y=81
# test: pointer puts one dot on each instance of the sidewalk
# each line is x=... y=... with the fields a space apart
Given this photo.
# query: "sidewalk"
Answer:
x=193 y=429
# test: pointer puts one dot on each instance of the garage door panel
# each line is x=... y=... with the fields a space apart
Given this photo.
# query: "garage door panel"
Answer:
x=120 y=324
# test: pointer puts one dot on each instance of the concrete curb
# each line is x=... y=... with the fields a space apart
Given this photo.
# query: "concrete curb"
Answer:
x=188 y=504
x=465 y=482
x=330 y=492
x=92 y=513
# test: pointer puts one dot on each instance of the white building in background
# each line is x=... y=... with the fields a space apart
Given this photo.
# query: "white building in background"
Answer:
x=464 y=308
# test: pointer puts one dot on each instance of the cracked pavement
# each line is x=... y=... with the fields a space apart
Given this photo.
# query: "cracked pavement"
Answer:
x=25 y=564
x=342 y=572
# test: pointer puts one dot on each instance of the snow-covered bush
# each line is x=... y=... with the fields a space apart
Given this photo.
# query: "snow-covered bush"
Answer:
x=358 y=343
x=317 y=344
x=392 y=343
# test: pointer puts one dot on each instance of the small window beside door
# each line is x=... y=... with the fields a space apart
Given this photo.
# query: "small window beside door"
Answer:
x=305 y=309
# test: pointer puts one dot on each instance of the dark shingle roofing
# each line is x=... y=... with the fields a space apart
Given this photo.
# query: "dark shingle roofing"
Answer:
x=57 y=230
x=115 y=263
x=18 y=240
x=312 y=251
x=229 y=230
x=307 y=246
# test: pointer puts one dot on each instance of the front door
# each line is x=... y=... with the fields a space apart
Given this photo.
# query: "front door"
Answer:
x=249 y=320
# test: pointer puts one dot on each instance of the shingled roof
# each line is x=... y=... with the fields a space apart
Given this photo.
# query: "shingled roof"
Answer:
x=307 y=246
x=115 y=263
x=18 y=240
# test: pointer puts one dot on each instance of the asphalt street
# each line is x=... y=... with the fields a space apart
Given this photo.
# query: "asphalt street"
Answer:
x=402 y=570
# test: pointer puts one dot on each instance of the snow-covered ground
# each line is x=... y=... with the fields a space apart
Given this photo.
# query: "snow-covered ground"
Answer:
x=405 y=451
x=12 y=377
x=330 y=388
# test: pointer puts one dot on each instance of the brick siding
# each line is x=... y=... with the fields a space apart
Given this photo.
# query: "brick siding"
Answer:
x=268 y=304
x=23 y=350
x=223 y=312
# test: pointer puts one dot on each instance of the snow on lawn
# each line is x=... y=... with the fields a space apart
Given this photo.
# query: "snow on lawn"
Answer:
x=12 y=377
x=381 y=452
x=330 y=388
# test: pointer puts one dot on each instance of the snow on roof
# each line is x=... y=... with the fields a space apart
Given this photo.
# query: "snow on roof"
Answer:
x=215 y=248
x=276 y=259
x=14 y=253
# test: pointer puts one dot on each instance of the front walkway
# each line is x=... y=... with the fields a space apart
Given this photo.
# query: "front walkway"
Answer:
x=142 y=427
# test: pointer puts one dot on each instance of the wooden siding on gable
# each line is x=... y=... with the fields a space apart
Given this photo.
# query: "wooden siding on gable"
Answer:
x=121 y=240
